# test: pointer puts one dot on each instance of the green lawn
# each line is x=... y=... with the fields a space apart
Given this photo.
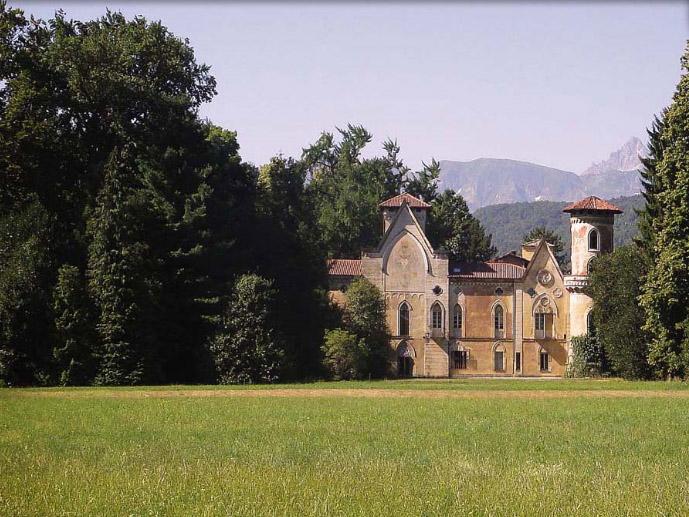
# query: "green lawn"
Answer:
x=109 y=453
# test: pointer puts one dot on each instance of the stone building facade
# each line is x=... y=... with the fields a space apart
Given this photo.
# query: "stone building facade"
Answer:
x=510 y=316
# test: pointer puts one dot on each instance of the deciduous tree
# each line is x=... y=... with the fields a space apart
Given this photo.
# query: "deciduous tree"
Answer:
x=614 y=284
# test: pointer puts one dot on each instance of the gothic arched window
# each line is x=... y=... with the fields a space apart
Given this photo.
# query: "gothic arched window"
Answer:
x=499 y=321
x=436 y=316
x=457 y=319
x=404 y=319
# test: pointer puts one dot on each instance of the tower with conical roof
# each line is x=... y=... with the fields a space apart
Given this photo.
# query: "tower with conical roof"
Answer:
x=592 y=223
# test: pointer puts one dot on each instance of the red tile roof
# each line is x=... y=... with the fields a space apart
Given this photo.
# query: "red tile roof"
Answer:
x=344 y=267
x=511 y=258
x=398 y=200
x=498 y=270
x=593 y=203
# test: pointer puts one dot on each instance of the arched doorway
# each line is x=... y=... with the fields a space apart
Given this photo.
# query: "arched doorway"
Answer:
x=405 y=360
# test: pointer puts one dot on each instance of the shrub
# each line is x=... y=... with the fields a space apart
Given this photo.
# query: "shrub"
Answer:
x=246 y=348
x=588 y=359
x=345 y=355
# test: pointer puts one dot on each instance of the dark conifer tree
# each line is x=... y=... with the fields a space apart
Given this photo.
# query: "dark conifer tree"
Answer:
x=666 y=288
x=649 y=181
x=123 y=276
x=76 y=347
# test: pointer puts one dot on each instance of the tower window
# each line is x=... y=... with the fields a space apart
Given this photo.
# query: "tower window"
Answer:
x=404 y=319
x=593 y=240
x=499 y=321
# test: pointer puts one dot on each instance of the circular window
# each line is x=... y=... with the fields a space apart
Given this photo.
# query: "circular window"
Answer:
x=499 y=291
x=437 y=290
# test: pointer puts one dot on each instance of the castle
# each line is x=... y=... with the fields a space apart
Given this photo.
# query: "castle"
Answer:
x=510 y=316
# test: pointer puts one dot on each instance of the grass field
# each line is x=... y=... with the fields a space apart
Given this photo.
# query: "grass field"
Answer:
x=477 y=447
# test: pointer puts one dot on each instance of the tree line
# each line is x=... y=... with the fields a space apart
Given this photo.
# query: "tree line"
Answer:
x=640 y=291
x=136 y=246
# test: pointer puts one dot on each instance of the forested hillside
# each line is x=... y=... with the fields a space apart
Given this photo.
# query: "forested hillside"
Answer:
x=508 y=223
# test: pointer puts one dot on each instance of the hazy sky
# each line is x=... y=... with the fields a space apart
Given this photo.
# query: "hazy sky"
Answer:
x=561 y=85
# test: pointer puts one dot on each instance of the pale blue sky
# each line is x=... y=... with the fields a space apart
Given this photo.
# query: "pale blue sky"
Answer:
x=561 y=85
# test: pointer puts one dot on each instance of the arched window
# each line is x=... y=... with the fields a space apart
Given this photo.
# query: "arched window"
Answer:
x=593 y=240
x=405 y=360
x=589 y=265
x=544 y=312
x=499 y=321
x=457 y=319
x=436 y=316
x=404 y=319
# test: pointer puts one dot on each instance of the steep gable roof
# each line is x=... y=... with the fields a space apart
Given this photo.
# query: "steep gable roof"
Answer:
x=594 y=204
x=402 y=198
x=543 y=245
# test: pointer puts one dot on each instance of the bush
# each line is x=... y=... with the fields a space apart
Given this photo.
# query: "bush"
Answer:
x=588 y=359
x=364 y=316
x=345 y=355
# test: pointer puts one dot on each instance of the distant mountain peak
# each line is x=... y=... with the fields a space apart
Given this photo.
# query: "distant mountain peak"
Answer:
x=626 y=158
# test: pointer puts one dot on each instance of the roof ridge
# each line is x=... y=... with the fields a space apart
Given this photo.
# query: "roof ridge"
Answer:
x=593 y=203
x=397 y=201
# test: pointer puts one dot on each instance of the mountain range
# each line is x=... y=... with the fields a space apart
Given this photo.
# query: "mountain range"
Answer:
x=491 y=181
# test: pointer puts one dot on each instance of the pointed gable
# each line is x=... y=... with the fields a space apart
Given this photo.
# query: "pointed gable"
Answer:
x=398 y=200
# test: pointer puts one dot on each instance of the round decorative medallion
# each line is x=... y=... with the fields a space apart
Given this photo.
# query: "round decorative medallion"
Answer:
x=545 y=302
x=557 y=292
x=544 y=277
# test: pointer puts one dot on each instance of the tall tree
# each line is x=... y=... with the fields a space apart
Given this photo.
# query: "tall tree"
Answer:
x=666 y=288
x=289 y=251
x=347 y=189
x=72 y=95
x=123 y=277
x=648 y=172
x=451 y=226
x=542 y=232
x=424 y=184
x=614 y=285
